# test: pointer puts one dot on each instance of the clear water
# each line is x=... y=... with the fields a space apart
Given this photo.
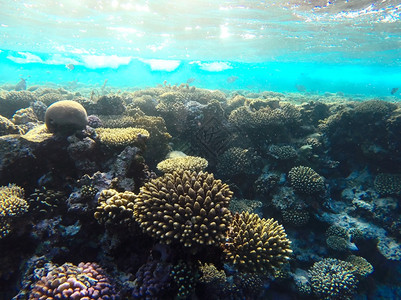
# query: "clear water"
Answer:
x=319 y=46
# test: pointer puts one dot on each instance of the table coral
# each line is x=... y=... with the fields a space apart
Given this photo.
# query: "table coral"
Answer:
x=333 y=279
x=256 y=245
x=86 y=281
x=306 y=180
x=121 y=137
x=185 y=207
x=190 y=163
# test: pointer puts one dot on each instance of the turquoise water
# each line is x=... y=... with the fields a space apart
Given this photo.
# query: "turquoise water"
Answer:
x=351 y=47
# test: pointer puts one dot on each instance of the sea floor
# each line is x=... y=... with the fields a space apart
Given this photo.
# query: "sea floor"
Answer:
x=180 y=192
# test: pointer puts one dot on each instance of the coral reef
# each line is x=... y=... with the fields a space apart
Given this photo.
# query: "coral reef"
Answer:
x=184 y=207
x=85 y=281
x=12 y=206
x=256 y=245
x=190 y=163
x=306 y=180
x=388 y=184
x=333 y=279
x=121 y=137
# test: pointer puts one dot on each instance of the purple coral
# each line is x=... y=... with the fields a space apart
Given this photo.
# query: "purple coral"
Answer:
x=152 y=281
x=83 y=282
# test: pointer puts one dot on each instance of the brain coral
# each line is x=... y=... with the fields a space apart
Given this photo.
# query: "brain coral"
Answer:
x=121 y=137
x=190 y=163
x=306 y=180
x=256 y=245
x=333 y=279
x=65 y=116
x=115 y=208
x=12 y=205
x=86 y=281
x=185 y=207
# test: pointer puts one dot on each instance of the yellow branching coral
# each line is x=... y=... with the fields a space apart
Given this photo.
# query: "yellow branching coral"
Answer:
x=190 y=163
x=115 y=208
x=256 y=245
x=121 y=137
x=306 y=180
x=12 y=205
x=185 y=207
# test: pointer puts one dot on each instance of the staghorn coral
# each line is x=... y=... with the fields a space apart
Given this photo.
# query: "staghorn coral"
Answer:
x=86 y=281
x=333 y=279
x=121 y=137
x=256 y=245
x=115 y=208
x=388 y=184
x=190 y=163
x=362 y=267
x=305 y=180
x=12 y=205
x=185 y=207
x=65 y=117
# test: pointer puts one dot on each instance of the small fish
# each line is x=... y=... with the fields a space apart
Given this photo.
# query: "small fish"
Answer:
x=70 y=67
x=393 y=91
x=232 y=79
x=21 y=86
x=190 y=80
x=300 y=88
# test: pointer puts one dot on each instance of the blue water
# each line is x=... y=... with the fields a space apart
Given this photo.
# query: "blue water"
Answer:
x=351 y=47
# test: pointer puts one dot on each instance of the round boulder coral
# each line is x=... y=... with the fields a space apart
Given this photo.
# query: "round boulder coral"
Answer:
x=256 y=245
x=333 y=279
x=65 y=116
x=185 y=207
x=86 y=281
x=305 y=180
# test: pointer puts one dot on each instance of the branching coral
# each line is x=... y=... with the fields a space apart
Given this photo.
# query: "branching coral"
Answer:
x=190 y=163
x=86 y=281
x=306 y=180
x=256 y=245
x=185 y=207
x=12 y=205
x=333 y=279
x=388 y=184
x=116 y=208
